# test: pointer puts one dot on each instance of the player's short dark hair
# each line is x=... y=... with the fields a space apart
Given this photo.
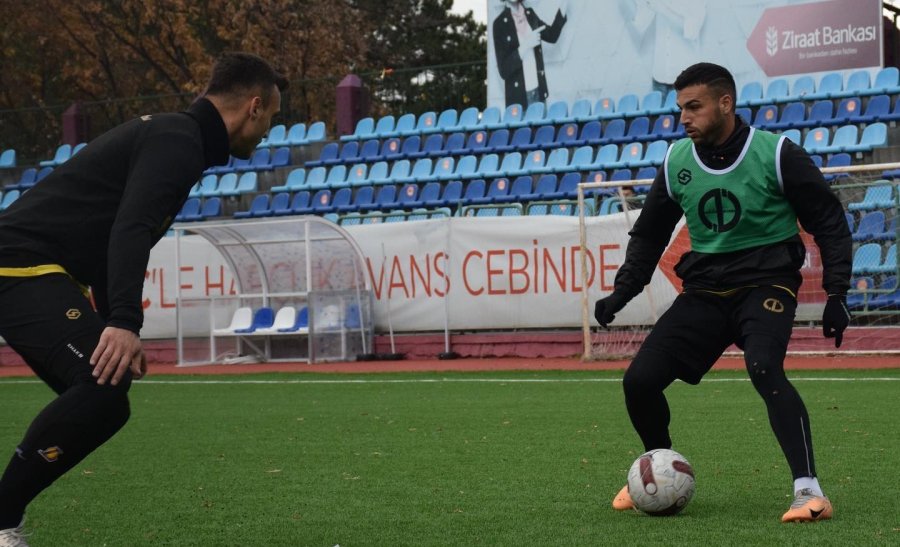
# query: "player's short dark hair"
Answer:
x=712 y=75
x=239 y=73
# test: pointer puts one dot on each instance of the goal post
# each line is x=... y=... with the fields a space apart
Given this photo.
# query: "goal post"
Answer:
x=871 y=201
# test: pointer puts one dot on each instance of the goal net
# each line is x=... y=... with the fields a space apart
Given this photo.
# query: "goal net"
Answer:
x=871 y=200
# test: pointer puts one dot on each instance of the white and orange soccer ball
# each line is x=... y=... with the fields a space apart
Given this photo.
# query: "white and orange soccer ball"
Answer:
x=661 y=482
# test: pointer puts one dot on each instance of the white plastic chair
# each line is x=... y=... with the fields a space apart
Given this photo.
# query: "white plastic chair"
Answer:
x=283 y=319
x=242 y=319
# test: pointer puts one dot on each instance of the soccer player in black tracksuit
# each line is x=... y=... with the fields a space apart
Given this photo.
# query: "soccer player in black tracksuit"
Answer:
x=742 y=192
x=91 y=223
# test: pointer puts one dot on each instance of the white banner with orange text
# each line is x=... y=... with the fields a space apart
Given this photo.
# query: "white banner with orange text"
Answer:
x=477 y=273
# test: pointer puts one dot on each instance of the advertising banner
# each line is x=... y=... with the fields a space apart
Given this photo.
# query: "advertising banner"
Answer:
x=552 y=50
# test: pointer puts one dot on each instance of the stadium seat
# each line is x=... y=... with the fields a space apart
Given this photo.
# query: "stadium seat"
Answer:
x=241 y=319
x=207 y=186
x=443 y=170
x=369 y=151
x=793 y=135
x=557 y=161
x=259 y=161
x=867 y=259
x=877 y=109
x=877 y=196
x=654 y=155
x=887 y=81
x=614 y=132
x=281 y=203
x=520 y=186
x=456 y=143
x=890 y=261
x=845 y=138
x=532 y=162
x=487 y=164
x=399 y=171
x=670 y=104
x=631 y=156
x=341 y=198
x=476 y=143
x=803 y=87
x=9 y=197
x=557 y=112
x=744 y=113
x=870 y=227
x=384 y=127
x=328 y=155
x=638 y=129
x=406 y=126
x=320 y=201
x=792 y=115
x=858 y=83
x=475 y=190
x=817 y=139
x=663 y=128
x=364 y=196
x=568 y=186
x=262 y=319
x=365 y=128
x=767 y=114
x=580 y=112
x=284 y=319
x=545 y=188
x=421 y=171
x=511 y=164
x=349 y=154
x=847 y=108
x=8 y=159
x=211 y=207
x=386 y=195
x=424 y=124
x=259 y=207
x=432 y=143
x=451 y=195
x=628 y=105
x=841 y=159
x=498 y=140
x=358 y=175
x=445 y=121
x=497 y=191
x=520 y=137
x=591 y=133
x=465 y=168
x=429 y=193
x=467 y=121
x=277 y=136
x=604 y=108
x=583 y=159
x=777 y=91
x=859 y=294
x=651 y=103
x=314 y=133
x=511 y=115
x=751 y=94
x=299 y=203
x=607 y=155
x=831 y=85
x=300 y=325
x=489 y=117
x=889 y=300
x=296 y=134
x=281 y=157
x=63 y=153
x=337 y=176
x=296 y=180
x=873 y=136
x=227 y=185
x=191 y=208
x=543 y=138
x=534 y=115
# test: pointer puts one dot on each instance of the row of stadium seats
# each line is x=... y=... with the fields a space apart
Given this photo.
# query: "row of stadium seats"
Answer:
x=289 y=320
x=865 y=294
x=822 y=113
x=868 y=259
x=873 y=226
x=298 y=135
x=227 y=185
x=263 y=159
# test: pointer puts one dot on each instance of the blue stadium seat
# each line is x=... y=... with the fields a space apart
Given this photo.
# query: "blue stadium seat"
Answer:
x=651 y=103
x=744 y=113
x=663 y=128
x=430 y=192
x=443 y=169
x=498 y=139
x=9 y=197
x=777 y=91
x=328 y=155
x=369 y=151
x=456 y=143
x=817 y=139
x=451 y=195
x=765 y=115
x=476 y=142
x=887 y=81
x=281 y=157
x=191 y=208
x=557 y=161
x=432 y=143
x=581 y=112
x=605 y=108
x=314 y=133
x=566 y=135
x=820 y=114
x=475 y=190
x=534 y=115
x=337 y=176
x=557 y=112
x=845 y=138
x=792 y=115
x=877 y=196
x=858 y=83
x=543 y=138
x=277 y=136
x=409 y=149
x=582 y=160
x=669 y=106
x=42 y=173
x=424 y=124
x=280 y=202
x=421 y=170
x=654 y=155
x=592 y=133
x=8 y=159
x=406 y=126
x=859 y=294
x=496 y=192
x=846 y=109
x=511 y=164
x=817 y=160
x=645 y=173
x=320 y=203
x=568 y=186
x=873 y=136
x=384 y=127
x=296 y=134
x=259 y=207
x=341 y=198
x=364 y=195
x=259 y=161
x=638 y=129
x=614 y=132
x=867 y=259
x=315 y=178
x=511 y=116
x=628 y=105
x=446 y=121
x=378 y=173
x=208 y=185
x=389 y=147
x=387 y=195
x=870 y=228
x=299 y=201
x=803 y=87
x=889 y=300
x=631 y=156
x=607 y=156
x=247 y=184
x=545 y=188
x=487 y=164
x=468 y=120
x=890 y=261
x=521 y=185
x=532 y=162
x=489 y=118
x=227 y=185
x=620 y=175
x=751 y=94
x=212 y=207
x=465 y=168
x=831 y=85
x=521 y=136
x=263 y=318
x=877 y=109
x=358 y=175
x=841 y=159
x=63 y=153
x=365 y=128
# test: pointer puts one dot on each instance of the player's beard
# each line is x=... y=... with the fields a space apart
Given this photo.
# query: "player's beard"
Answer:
x=715 y=133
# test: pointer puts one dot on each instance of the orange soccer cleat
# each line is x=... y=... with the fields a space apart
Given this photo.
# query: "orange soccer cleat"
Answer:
x=808 y=507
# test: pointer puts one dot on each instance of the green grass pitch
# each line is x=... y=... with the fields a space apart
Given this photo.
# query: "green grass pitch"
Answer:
x=458 y=459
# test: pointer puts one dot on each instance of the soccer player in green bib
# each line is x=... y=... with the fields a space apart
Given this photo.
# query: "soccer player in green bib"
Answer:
x=742 y=192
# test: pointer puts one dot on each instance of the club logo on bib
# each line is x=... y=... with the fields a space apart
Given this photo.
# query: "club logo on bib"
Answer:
x=685 y=176
x=773 y=305
x=719 y=210
x=73 y=313
x=50 y=454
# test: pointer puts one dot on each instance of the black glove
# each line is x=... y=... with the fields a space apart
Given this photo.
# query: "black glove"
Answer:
x=835 y=318
x=605 y=309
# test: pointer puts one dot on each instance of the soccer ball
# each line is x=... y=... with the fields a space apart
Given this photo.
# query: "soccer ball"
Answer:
x=661 y=482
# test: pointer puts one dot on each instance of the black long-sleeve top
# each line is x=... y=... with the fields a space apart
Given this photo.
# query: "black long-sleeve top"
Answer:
x=99 y=214
x=818 y=210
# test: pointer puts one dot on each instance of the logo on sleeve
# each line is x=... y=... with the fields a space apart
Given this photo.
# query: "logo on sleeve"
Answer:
x=51 y=454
